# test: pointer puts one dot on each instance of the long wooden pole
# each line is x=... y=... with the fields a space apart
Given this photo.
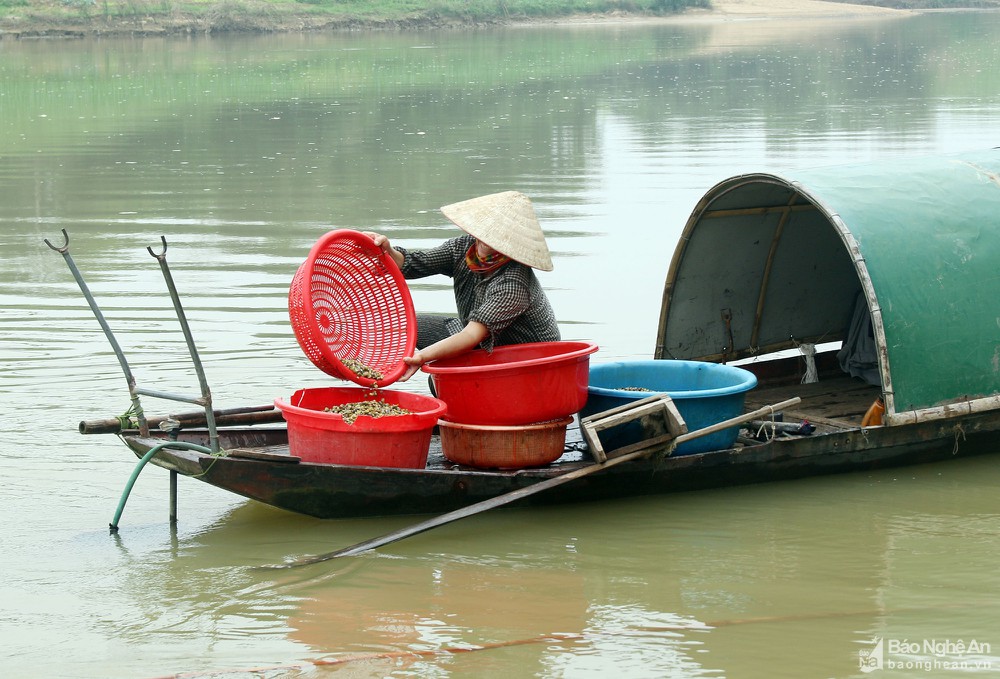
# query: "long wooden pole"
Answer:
x=231 y=417
x=514 y=495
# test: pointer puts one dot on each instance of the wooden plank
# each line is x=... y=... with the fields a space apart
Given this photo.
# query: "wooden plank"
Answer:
x=838 y=402
x=268 y=454
x=816 y=419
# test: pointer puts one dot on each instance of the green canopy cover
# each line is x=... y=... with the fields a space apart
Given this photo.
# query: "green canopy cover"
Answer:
x=768 y=262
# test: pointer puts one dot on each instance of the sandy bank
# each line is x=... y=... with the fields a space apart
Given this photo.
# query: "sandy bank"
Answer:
x=723 y=11
x=788 y=9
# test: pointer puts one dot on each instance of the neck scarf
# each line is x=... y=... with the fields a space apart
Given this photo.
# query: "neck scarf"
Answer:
x=484 y=264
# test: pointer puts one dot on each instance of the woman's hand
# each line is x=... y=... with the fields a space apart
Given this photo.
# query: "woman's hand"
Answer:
x=382 y=241
x=379 y=239
x=413 y=364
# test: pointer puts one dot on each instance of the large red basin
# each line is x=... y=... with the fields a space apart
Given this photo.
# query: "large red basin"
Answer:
x=515 y=384
x=316 y=435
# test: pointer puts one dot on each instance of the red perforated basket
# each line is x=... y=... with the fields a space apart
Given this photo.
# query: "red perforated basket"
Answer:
x=348 y=301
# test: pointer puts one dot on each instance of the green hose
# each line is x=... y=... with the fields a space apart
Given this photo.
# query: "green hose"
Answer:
x=142 y=463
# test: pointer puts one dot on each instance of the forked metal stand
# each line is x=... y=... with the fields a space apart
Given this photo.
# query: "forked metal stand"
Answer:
x=135 y=391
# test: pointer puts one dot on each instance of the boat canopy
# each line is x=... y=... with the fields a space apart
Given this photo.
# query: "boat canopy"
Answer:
x=767 y=263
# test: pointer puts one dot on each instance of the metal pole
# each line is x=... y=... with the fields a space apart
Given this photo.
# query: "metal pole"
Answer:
x=129 y=378
x=206 y=394
x=173 y=496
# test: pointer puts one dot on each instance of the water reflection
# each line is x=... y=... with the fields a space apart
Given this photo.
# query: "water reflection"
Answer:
x=701 y=585
x=438 y=606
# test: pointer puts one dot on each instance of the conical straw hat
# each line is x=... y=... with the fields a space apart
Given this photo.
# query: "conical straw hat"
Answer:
x=507 y=223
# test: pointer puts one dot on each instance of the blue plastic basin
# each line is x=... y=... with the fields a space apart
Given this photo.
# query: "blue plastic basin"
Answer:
x=704 y=393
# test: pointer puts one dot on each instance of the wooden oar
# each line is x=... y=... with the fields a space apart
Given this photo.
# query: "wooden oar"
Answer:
x=514 y=495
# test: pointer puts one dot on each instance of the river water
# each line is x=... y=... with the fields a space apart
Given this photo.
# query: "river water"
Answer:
x=242 y=151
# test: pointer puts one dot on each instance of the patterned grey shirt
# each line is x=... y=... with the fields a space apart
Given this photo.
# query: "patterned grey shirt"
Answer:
x=509 y=301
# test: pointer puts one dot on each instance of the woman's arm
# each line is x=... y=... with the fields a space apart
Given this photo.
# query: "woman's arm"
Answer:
x=468 y=338
x=417 y=263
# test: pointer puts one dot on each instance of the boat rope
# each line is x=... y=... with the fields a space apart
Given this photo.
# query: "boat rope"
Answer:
x=127 y=419
x=215 y=458
x=662 y=453
x=959 y=431
x=142 y=463
x=763 y=427
x=765 y=431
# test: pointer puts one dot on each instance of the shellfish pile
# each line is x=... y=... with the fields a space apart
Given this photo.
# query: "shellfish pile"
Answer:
x=372 y=408
x=361 y=370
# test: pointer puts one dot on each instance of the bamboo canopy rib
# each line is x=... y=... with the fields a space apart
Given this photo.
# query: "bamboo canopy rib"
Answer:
x=765 y=279
x=785 y=258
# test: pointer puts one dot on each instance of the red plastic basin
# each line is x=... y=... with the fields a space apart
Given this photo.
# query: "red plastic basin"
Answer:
x=516 y=384
x=393 y=441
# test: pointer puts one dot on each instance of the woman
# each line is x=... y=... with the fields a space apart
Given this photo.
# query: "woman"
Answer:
x=499 y=299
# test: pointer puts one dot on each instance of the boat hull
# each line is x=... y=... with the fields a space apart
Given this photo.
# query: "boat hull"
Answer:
x=339 y=491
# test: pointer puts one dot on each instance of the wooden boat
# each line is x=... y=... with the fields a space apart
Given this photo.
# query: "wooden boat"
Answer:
x=768 y=270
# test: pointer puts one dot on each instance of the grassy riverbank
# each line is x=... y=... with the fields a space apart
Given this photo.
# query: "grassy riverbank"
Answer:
x=77 y=18
x=70 y=17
